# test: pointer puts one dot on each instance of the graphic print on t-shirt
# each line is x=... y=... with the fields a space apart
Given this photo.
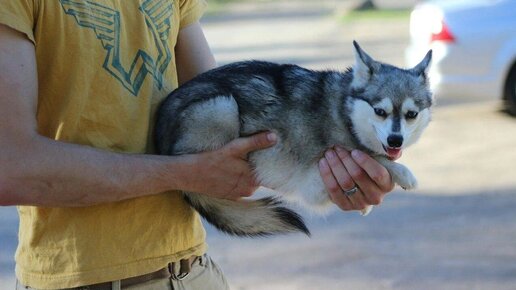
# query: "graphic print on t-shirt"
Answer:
x=105 y=22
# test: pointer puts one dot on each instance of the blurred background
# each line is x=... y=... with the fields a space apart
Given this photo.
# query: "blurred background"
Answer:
x=458 y=229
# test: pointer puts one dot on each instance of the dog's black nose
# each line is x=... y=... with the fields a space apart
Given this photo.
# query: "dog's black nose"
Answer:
x=395 y=141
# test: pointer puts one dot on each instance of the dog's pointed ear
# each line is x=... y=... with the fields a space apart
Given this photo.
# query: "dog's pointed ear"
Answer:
x=365 y=66
x=421 y=69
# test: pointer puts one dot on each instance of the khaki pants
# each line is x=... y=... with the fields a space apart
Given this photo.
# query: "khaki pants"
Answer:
x=205 y=275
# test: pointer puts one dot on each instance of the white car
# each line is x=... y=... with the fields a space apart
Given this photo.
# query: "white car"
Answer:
x=474 y=46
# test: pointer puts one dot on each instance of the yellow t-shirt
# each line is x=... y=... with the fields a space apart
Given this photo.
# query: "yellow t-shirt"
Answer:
x=103 y=67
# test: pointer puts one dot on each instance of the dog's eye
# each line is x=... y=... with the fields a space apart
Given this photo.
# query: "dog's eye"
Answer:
x=411 y=115
x=380 y=112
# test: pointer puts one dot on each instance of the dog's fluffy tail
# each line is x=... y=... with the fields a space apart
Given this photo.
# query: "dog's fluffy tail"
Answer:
x=260 y=217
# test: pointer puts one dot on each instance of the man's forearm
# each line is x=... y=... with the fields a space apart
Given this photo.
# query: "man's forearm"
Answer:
x=35 y=170
x=45 y=172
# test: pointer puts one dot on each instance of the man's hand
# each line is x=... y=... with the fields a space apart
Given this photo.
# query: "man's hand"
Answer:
x=342 y=170
x=225 y=173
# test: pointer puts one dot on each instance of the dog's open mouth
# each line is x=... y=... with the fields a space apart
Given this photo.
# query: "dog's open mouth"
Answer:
x=392 y=152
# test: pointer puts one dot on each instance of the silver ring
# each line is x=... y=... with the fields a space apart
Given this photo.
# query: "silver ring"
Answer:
x=350 y=192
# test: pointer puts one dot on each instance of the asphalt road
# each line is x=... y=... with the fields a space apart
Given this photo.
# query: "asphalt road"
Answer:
x=455 y=232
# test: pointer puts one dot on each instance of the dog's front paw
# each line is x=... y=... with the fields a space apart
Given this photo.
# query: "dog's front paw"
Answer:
x=401 y=175
x=404 y=178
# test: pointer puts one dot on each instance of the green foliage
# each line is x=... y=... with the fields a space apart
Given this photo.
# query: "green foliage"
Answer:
x=376 y=14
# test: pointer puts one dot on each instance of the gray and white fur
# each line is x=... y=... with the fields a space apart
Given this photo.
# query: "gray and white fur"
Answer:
x=374 y=107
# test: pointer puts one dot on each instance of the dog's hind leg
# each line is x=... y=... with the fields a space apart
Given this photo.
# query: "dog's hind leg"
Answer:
x=207 y=125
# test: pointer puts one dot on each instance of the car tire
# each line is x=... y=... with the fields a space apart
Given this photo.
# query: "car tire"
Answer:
x=509 y=94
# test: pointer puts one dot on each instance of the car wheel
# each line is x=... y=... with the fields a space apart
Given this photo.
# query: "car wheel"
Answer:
x=510 y=92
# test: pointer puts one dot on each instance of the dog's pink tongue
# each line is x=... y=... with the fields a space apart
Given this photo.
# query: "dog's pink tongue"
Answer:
x=394 y=153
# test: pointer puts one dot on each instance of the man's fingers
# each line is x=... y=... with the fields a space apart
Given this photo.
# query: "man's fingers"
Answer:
x=339 y=171
x=374 y=170
x=334 y=189
x=242 y=146
x=370 y=191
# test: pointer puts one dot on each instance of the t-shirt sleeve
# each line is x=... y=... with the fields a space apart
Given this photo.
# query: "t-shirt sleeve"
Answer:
x=19 y=15
x=190 y=11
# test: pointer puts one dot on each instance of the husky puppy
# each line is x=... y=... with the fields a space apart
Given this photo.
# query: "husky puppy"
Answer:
x=374 y=107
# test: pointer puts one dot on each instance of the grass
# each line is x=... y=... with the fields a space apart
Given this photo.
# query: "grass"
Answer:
x=376 y=14
x=217 y=6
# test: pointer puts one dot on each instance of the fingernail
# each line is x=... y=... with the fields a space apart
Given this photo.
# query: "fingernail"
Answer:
x=358 y=155
x=339 y=149
x=272 y=137
x=323 y=163
x=341 y=152
x=330 y=154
